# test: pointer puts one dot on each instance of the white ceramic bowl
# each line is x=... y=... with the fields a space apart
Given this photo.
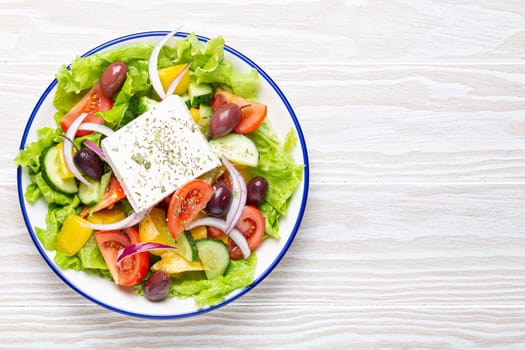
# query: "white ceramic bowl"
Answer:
x=104 y=292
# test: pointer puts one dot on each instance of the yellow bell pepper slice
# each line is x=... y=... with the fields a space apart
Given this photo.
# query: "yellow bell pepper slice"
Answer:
x=195 y=114
x=73 y=235
x=166 y=76
x=107 y=216
x=199 y=232
x=154 y=228
x=173 y=263
x=65 y=173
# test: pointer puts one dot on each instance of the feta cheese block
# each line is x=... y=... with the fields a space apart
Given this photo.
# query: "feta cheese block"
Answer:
x=158 y=152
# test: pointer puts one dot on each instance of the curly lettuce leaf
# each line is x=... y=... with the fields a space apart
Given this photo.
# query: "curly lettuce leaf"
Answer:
x=87 y=259
x=84 y=72
x=240 y=274
x=30 y=156
x=32 y=193
x=50 y=195
x=209 y=66
x=137 y=84
x=278 y=167
x=56 y=215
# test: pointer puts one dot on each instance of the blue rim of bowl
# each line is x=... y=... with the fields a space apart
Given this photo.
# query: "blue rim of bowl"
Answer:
x=245 y=290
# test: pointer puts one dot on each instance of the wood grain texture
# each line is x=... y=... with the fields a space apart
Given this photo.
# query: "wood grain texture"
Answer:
x=414 y=115
x=284 y=327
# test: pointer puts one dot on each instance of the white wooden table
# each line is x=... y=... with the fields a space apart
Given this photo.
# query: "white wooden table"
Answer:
x=414 y=233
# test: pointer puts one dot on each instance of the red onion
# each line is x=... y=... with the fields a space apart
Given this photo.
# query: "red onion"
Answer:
x=234 y=234
x=239 y=196
x=68 y=148
x=101 y=128
x=141 y=247
x=152 y=64
x=241 y=242
x=129 y=221
x=208 y=221
x=176 y=81
x=95 y=149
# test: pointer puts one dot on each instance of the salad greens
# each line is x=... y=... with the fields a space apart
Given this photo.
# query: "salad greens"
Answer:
x=277 y=166
x=276 y=163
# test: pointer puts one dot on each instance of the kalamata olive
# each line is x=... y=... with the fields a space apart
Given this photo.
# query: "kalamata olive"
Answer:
x=257 y=189
x=220 y=201
x=157 y=286
x=89 y=163
x=224 y=119
x=113 y=77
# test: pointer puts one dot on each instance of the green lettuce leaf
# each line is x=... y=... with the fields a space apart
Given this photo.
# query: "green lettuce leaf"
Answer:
x=209 y=66
x=86 y=71
x=50 y=195
x=88 y=259
x=32 y=193
x=91 y=257
x=30 y=156
x=278 y=167
x=137 y=84
x=240 y=274
x=55 y=217
x=65 y=262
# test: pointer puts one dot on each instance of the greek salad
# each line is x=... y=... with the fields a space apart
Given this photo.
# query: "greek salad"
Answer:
x=163 y=172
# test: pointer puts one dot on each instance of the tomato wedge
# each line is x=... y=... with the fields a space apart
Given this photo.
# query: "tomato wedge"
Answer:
x=252 y=225
x=113 y=194
x=133 y=268
x=186 y=203
x=94 y=101
x=214 y=232
x=253 y=113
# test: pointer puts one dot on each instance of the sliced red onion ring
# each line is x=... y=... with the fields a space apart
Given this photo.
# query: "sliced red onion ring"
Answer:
x=241 y=242
x=153 y=61
x=239 y=196
x=141 y=247
x=176 y=81
x=68 y=148
x=95 y=149
x=129 y=221
x=208 y=221
x=234 y=234
x=104 y=130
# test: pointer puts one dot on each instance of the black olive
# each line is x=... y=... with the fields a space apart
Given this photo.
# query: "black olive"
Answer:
x=89 y=163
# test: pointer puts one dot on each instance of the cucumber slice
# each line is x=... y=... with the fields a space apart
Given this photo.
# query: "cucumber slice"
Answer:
x=236 y=148
x=214 y=256
x=186 y=246
x=205 y=114
x=51 y=172
x=145 y=104
x=92 y=195
x=200 y=94
x=186 y=99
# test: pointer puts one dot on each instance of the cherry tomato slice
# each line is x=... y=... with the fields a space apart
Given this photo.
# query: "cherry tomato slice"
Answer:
x=113 y=194
x=134 y=268
x=218 y=100
x=252 y=225
x=186 y=203
x=253 y=113
x=214 y=232
x=94 y=101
